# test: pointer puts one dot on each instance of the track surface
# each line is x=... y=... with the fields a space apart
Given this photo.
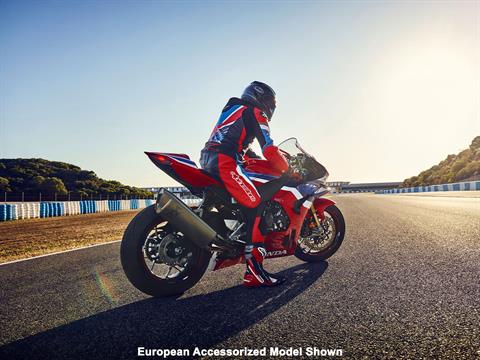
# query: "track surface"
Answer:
x=405 y=284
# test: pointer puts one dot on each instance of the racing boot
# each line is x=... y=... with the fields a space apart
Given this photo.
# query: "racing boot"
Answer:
x=256 y=275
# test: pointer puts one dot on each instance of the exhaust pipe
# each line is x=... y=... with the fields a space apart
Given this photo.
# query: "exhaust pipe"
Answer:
x=177 y=213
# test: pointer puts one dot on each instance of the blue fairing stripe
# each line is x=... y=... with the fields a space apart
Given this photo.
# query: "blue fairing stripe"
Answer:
x=184 y=160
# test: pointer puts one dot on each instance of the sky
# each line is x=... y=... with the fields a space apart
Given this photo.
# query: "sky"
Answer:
x=376 y=90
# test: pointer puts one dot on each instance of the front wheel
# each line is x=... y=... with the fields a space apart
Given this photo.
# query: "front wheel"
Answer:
x=159 y=260
x=319 y=243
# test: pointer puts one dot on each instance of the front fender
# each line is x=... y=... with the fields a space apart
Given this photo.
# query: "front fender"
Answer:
x=320 y=205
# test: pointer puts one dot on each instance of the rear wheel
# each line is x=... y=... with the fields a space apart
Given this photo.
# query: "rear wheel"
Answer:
x=159 y=260
x=319 y=243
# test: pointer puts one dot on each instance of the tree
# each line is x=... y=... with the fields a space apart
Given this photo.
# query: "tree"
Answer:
x=38 y=181
x=475 y=143
x=4 y=184
x=454 y=168
x=53 y=185
x=459 y=165
x=37 y=175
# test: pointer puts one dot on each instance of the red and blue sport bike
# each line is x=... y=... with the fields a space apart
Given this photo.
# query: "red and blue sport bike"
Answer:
x=168 y=246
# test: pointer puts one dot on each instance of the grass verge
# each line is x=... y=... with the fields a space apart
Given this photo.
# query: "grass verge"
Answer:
x=32 y=237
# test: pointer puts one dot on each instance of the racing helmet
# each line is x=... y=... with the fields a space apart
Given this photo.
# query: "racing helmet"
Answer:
x=262 y=96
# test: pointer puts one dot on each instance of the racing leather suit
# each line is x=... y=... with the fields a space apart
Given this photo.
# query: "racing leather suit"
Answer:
x=240 y=123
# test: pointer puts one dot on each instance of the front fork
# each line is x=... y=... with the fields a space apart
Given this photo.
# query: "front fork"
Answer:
x=314 y=213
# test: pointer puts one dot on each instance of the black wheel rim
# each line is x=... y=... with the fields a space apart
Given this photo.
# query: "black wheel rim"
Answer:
x=166 y=254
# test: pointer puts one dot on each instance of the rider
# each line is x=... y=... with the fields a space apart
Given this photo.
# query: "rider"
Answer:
x=241 y=121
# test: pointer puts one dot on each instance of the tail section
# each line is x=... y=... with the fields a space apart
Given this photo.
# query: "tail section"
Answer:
x=182 y=169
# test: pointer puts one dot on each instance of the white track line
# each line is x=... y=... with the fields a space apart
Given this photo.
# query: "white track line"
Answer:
x=58 y=252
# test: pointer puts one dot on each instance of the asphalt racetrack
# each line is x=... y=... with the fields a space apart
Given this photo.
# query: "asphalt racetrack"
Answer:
x=405 y=284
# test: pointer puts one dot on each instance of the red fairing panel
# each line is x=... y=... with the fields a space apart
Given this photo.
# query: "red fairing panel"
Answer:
x=195 y=177
x=284 y=242
x=184 y=168
x=320 y=205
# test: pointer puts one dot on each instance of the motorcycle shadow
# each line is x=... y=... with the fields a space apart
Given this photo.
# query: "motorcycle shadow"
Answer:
x=184 y=323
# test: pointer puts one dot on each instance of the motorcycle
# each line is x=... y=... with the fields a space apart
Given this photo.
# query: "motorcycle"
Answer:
x=168 y=246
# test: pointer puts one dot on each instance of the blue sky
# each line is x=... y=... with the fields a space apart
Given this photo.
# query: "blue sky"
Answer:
x=378 y=91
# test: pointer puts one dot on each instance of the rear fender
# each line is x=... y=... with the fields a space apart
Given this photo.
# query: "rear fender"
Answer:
x=320 y=205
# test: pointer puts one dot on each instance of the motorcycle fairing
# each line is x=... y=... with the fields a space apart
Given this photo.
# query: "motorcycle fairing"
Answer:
x=277 y=244
x=184 y=170
x=283 y=243
x=320 y=205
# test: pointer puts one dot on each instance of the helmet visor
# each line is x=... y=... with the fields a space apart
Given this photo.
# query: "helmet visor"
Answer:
x=270 y=105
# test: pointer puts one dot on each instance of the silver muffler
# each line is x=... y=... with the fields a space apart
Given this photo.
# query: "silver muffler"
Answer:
x=183 y=219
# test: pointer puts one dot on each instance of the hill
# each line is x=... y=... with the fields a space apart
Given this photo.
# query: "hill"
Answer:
x=461 y=167
x=54 y=177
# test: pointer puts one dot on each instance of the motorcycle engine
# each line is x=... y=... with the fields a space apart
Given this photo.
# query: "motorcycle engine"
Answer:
x=274 y=218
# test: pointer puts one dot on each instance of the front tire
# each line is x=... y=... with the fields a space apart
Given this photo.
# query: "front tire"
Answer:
x=311 y=253
x=139 y=246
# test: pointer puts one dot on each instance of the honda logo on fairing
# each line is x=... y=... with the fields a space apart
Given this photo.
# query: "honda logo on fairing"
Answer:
x=277 y=252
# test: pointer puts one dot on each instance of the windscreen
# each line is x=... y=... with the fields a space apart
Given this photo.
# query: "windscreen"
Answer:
x=298 y=157
x=290 y=147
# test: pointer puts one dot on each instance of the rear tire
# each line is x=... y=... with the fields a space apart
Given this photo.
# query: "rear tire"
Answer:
x=324 y=254
x=135 y=267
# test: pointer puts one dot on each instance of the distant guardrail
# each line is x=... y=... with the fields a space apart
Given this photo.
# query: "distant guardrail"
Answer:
x=459 y=186
x=31 y=210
